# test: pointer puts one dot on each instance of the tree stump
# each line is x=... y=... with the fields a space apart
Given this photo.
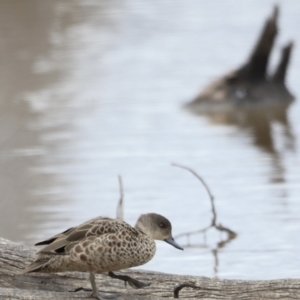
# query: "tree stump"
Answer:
x=37 y=286
x=250 y=84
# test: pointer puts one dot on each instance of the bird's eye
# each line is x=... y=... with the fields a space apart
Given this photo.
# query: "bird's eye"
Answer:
x=162 y=225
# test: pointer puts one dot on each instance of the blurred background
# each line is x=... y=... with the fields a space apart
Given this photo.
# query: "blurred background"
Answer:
x=93 y=89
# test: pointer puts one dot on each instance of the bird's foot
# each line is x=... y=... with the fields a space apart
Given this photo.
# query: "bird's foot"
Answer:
x=134 y=283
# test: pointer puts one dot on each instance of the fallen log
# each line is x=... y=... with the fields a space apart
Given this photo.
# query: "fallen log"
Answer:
x=14 y=258
x=250 y=84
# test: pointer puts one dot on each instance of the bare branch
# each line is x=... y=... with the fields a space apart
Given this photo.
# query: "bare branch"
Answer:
x=211 y=197
x=216 y=264
x=193 y=232
x=120 y=207
x=230 y=234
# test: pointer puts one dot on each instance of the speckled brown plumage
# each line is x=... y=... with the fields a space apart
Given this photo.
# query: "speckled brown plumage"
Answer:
x=103 y=245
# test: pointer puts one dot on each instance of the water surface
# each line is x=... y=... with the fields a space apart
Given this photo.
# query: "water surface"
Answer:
x=90 y=90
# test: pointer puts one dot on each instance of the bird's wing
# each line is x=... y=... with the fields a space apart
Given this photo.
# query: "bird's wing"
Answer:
x=63 y=242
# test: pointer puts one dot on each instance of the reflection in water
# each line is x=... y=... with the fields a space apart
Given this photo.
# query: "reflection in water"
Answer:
x=259 y=122
x=20 y=146
x=26 y=31
x=91 y=89
x=39 y=105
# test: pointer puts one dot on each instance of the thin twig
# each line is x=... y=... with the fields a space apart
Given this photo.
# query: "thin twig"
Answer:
x=193 y=232
x=211 y=197
x=229 y=231
x=120 y=207
x=230 y=234
x=216 y=264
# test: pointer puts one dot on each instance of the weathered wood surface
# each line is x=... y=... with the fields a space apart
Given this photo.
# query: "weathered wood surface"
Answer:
x=14 y=257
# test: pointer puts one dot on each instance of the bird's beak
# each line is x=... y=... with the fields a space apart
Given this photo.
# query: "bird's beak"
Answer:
x=170 y=240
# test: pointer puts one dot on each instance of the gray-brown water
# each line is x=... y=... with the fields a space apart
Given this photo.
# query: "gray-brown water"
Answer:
x=93 y=89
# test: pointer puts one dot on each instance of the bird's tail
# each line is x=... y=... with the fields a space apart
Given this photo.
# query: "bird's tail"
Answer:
x=41 y=264
x=34 y=267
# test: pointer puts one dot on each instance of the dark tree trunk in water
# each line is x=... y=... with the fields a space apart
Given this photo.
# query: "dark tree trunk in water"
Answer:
x=250 y=83
x=280 y=72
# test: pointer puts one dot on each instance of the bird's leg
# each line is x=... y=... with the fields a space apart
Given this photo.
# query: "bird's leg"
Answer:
x=95 y=293
x=131 y=281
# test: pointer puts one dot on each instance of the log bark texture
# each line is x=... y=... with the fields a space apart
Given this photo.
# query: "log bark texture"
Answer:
x=34 y=286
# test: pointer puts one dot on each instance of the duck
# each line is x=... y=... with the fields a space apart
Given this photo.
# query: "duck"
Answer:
x=104 y=245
